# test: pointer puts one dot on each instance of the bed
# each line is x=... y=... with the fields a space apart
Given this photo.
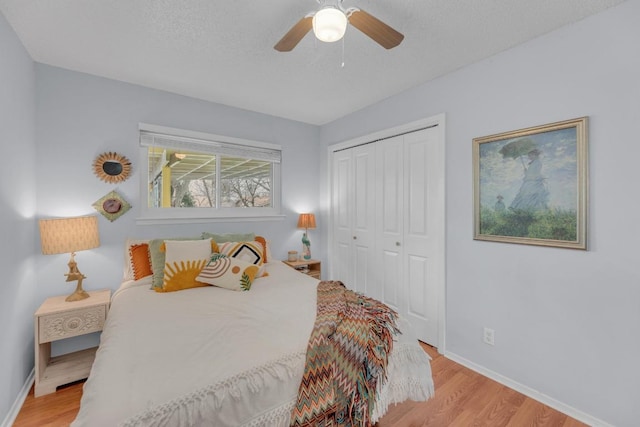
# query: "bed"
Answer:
x=211 y=356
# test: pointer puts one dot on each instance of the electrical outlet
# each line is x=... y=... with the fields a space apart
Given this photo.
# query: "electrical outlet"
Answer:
x=489 y=336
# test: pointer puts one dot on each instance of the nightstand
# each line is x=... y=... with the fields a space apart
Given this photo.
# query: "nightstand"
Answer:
x=58 y=319
x=311 y=267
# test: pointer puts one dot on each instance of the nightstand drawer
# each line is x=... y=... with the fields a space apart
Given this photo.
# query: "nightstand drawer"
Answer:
x=72 y=323
x=314 y=273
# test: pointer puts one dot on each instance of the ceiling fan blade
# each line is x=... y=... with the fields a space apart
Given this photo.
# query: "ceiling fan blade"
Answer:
x=295 y=34
x=377 y=30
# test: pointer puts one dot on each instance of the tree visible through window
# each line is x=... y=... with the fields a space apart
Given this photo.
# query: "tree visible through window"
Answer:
x=189 y=173
x=191 y=180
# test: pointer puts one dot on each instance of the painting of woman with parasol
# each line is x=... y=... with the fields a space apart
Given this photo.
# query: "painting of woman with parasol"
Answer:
x=538 y=175
x=533 y=194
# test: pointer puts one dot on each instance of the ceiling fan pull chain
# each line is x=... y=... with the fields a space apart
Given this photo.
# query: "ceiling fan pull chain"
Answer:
x=342 y=65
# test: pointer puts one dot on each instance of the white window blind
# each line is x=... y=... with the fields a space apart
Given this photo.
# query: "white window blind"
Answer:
x=152 y=139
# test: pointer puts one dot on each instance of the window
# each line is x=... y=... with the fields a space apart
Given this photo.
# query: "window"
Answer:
x=192 y=175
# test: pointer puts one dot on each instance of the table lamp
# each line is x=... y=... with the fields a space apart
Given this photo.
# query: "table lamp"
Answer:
x=69 y=235
x=306 y=221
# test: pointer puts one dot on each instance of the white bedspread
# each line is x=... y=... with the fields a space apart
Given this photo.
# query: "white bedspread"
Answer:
x=211 y=356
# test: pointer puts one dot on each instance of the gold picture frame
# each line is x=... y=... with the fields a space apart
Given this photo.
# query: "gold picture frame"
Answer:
x=112 y=206
x=530 y=185
x=112 y=167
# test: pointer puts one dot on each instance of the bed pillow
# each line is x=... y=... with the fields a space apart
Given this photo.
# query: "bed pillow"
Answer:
x=184 y=260
x=265 y=247
x=229 y=237
x=268 y=252
x=137 y=261
x=228 y=273
x=140 y=260
x=240 y=237
x=251 y=252
x=157 y=255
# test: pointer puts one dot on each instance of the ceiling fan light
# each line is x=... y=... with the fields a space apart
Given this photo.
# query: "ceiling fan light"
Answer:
x=329 y=24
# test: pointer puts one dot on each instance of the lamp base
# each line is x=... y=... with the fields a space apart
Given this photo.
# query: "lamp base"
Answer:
x=306 y=247
x=79 y=293
x=77 y=296
x=74 y=274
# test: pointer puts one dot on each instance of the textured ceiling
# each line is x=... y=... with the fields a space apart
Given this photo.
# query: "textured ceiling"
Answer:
x=222 y=51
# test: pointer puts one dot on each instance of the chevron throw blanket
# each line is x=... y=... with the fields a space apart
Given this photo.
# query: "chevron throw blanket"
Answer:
x=346 y=360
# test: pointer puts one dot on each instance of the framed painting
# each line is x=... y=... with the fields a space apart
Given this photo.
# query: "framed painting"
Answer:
x=531 y=185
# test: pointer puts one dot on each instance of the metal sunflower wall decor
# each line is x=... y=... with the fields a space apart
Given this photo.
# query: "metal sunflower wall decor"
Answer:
x=112 y=167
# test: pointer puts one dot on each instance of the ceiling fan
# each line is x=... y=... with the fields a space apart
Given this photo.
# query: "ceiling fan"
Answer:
x=329 y=24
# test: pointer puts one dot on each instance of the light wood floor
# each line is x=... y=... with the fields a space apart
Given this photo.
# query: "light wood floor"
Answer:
x=463 y=398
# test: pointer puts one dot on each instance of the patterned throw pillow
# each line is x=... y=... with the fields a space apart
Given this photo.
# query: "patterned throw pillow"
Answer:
x=140 y=261
x=184 y=260
x=228 y=273
x=251 y=252
x=265 y=248
x=137 y=260
x=157 y=254
x=241 y=237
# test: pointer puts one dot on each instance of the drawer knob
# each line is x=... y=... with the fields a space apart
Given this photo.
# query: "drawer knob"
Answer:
x=73 y=323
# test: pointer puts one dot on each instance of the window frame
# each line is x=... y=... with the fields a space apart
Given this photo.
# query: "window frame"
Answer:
x=152 y=216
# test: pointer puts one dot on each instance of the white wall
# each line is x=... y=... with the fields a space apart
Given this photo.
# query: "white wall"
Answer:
x=17 y=209
x=54 y=123
x=567 y=322
x=80 y=116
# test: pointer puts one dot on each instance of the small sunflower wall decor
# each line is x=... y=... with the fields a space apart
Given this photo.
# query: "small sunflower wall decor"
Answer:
x=112 y=167
x=112 y=206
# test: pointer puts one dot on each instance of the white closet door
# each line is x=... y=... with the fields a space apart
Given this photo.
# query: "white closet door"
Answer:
x=342 y=197
x=408 y=251
x=353 y=217
x=363 y=227
x=388 y=216
x=389 y=222
x=421 y=244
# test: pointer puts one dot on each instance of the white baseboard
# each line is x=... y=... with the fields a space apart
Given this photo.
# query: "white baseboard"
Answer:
x=527 y=391
x=17 y=405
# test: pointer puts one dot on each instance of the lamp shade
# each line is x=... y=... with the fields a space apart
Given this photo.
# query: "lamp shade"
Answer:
x=65 y=235
x=329 y=24
x=307 y=220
